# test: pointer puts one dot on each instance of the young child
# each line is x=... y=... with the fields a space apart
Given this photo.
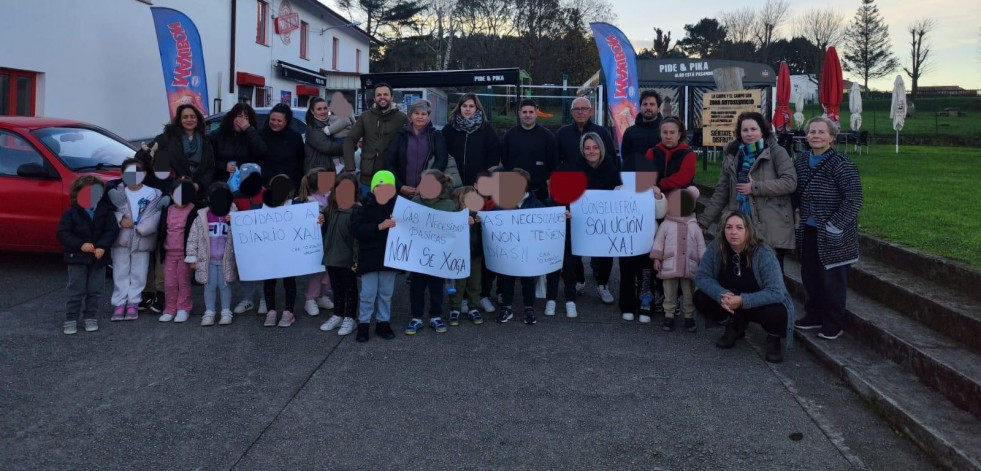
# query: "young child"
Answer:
x=339 y=250
x=248 y=197
x=678 y=248
x=211 y=254
x=138 y=214
x=527 y=282
x=86 y=231
x=317 y=285
x=370 y=225
x=175 y=225
x=469 y=287
x=280 y=193
x=441 y=200
x=487 y=277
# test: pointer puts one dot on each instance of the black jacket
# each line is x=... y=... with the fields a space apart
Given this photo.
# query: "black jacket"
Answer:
x=162 y=232
x=396 y=157
x=76 y=228
x=568 y=138
x=604 y=177
x=240 y=147
x=473 y=152
x=171 y=146
x=533 y=150
x=371 y=241
x=637 y=139
x=284 y=155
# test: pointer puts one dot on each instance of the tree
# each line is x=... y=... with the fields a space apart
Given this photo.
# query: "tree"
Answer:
x=920 y=59
x=383 y=19
x=769 y=20
x=662 y=48
x=867 y=50
x=739 y=24
x=822 y=28
x=704 y=39
x=797 y=53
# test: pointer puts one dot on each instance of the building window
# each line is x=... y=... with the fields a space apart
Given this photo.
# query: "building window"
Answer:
x=333 y=57
x=357 y=60
x=304 y=32
x=263 y=96
x=261 y=22
x=18 y=92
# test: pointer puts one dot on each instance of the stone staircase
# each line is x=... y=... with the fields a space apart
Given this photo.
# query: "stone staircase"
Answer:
x=912 y=349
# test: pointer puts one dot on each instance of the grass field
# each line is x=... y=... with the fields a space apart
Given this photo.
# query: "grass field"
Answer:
x=925 y=197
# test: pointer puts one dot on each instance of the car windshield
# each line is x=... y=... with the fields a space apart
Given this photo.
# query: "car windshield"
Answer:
x=84 y=148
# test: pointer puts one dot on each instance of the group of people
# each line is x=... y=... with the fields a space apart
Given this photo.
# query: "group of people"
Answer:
x=169 y=216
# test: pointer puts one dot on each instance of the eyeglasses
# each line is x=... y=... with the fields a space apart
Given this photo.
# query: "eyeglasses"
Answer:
x=735 y=265
x=580 y=110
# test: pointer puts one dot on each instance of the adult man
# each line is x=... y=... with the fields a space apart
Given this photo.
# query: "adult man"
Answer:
x=531 y=147
x=375 y=127
x=644 y=134
x=568 y=136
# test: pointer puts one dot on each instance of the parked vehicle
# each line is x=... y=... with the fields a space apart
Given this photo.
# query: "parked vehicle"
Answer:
x=261 y=115
x=39 y=160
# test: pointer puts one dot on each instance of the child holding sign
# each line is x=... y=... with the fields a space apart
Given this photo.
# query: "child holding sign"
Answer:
x=370 y=225
x=311 y=192
x=519 y=180
x=469 y=288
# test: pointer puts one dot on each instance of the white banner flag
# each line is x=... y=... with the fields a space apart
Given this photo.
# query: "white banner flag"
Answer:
x=277 y=242
x=430 y=241
x=523 y=242
x=612 y=223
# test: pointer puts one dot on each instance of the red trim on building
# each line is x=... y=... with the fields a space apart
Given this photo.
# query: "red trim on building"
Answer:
x=245 y=78
x=307 y=90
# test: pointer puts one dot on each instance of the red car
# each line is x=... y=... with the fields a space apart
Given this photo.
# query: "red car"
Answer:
x=39 y=160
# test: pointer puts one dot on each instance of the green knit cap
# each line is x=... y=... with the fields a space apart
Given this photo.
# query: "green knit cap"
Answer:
x=382 y=177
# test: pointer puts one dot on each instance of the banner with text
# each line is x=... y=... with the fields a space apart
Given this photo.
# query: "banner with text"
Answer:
x=719 y=113
x=430 y=241
x=613 y=223
x=524 y=242
x=182 y=59
x=620 y=69
x=277 y=242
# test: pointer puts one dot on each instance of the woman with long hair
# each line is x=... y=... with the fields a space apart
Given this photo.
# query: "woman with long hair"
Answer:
x=471 y=139
x=237 y=141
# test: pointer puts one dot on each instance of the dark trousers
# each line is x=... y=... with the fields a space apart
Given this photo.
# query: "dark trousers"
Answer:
x=824 y=289
x=85 y=286
x=487 y=278
x=527 y=290
x=772 y=317
x=345 y=285
x=568 y=276
x=602 y=267
x=631 y=280
x=289 y=285
x=417 y=295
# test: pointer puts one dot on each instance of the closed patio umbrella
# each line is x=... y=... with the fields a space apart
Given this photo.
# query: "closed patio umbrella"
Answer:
x=799 y=108
x=831 y=89
x=855 y=107
x=781 y=115
x=897 y=110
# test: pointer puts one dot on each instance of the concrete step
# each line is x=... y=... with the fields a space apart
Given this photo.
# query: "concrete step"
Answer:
x=949 y=434
x=954 y=275
x=939 y=362
x=932 y=304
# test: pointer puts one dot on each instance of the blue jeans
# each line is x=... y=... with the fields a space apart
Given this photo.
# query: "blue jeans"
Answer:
x=376 y=296
x=216 y=284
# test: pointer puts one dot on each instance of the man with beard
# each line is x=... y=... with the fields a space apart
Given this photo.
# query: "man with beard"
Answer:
x=644 y=134
x=376 y=127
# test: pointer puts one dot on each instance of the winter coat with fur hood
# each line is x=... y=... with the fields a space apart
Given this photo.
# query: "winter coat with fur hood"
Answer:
x=198 y=250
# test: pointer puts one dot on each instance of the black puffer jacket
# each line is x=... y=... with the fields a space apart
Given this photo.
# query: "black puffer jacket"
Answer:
x=637 y=139
x=371 y=241
x=284 y=155
x=479 y=150
x=240 y=147
x=76 y=228
x=170 y=145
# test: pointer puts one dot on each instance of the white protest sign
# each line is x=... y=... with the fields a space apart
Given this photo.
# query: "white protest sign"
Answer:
x=524 y=242
x=277 y=242
x=430 y=241
x=610 y=223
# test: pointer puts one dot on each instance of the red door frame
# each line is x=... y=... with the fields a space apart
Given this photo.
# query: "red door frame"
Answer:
x=12 y=96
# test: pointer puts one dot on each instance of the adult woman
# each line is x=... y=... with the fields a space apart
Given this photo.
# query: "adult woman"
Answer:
x=740 y=277
x=826 y=202
x=236 y=141
x=757 y=178
x=284 y=146
x=186 y=148
x=417 y=147
x=671 y=158
x=325 y=136
x=471 y=139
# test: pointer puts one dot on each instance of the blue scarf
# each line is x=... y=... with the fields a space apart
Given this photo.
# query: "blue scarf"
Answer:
x=748 y=154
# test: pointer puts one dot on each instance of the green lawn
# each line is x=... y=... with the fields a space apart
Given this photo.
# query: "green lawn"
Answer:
x=924 y=197
x=875 y=119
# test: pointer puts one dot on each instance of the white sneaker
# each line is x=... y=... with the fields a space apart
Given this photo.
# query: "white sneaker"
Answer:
x=262 y=307
x=464 y=306
x=226 y=317
x=580 y=287
x=604 y=294
x=570 y=309
x=347 y=326
x=550 y=308
x=331 y=323
x=325 y=302
x=628 y=316
x=644 y=319
x=208 y=319
x=166 y=317
x=311 y=307
x=244 y=305
x=486 y=305
x=181 y=316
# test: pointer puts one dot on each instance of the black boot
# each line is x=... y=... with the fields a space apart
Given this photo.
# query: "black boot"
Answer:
x=734 y=330
x=384 y=330
x=363 y=331
x=774 y=353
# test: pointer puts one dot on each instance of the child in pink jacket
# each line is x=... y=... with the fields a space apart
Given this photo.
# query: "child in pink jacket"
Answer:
x=678 y=248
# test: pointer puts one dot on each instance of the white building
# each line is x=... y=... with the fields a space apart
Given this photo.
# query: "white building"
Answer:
x=806 y=84
x=99 y=61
